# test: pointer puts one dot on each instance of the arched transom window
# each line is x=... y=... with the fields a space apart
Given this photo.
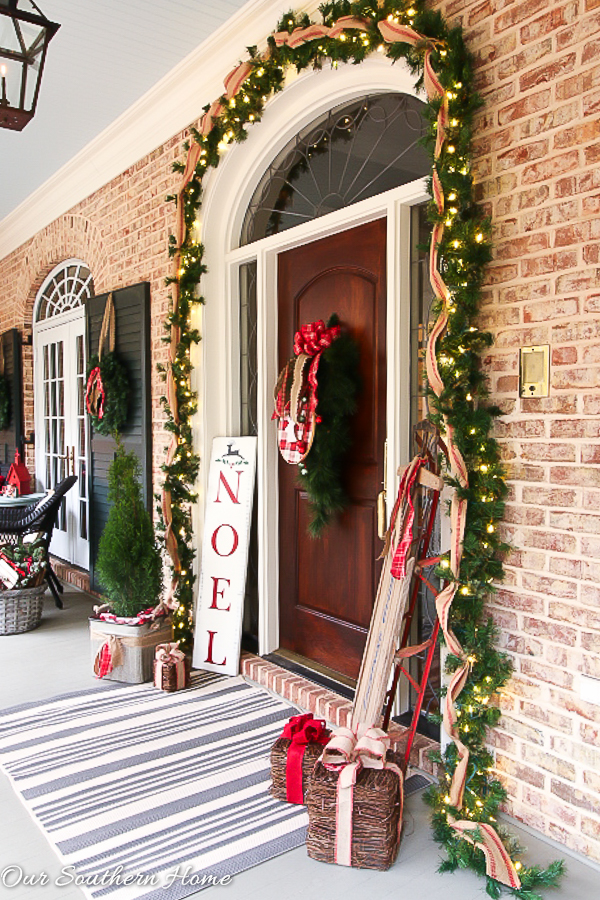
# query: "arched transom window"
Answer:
x=68 y=286
x=358 y=149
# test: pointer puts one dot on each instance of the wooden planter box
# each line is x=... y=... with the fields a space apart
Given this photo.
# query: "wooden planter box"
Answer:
x=137 y=645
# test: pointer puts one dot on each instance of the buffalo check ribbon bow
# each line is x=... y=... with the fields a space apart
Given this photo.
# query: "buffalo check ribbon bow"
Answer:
x=348 y=752
x=169 y=653
x=300 y=731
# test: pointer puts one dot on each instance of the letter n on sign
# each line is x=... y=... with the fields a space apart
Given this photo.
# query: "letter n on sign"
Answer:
x=228 y=513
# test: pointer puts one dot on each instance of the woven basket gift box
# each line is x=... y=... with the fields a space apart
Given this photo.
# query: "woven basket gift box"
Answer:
x=293 y=756
x=171 y=668
x=355 y=801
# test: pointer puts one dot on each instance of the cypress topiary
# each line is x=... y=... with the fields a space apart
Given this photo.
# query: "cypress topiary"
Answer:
x=129 y=562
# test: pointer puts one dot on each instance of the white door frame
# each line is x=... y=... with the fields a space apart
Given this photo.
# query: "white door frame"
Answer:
x=216 y=374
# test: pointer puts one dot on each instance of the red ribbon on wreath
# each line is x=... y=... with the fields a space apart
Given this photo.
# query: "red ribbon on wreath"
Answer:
x=315 y=338
x=95 y=395
x=300 y=730
x=296 y=392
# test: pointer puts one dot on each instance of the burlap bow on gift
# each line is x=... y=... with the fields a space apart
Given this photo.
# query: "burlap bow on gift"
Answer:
x=348 y=752
x=166 y=654
x=300 y=730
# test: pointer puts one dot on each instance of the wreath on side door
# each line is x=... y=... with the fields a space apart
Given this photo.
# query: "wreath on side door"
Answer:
x=107 y=387
x=315 y=397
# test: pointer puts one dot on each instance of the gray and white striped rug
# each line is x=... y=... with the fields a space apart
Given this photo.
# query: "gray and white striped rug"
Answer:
x=173 y=788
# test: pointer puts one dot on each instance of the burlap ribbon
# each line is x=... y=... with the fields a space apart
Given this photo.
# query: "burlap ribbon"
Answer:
x=348 y=752
x=169 y=654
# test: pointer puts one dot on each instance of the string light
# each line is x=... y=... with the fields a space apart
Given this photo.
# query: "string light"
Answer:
x=454 y=362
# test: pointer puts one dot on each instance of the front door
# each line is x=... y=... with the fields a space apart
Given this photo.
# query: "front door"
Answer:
x=327 y=586
x=61 y=434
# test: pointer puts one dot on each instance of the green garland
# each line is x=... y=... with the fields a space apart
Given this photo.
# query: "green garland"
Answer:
x=4 y=402
x=465 y=250
x=116 y=388
x=320 y=474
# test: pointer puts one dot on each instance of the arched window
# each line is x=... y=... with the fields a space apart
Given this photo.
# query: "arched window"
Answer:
x=67 y=286
x=356 y=150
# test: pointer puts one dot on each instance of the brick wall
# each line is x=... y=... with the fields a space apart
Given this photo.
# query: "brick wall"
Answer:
x=121 y=232
x=537 y=150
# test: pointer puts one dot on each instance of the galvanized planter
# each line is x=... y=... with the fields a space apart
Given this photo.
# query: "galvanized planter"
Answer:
x=137 y=644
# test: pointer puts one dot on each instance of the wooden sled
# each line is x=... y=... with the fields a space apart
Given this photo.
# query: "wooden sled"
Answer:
x=405 y=559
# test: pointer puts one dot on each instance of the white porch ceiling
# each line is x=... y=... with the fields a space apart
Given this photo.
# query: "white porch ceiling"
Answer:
x=106 y=55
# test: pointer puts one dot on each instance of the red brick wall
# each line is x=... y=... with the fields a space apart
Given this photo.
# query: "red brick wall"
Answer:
x=121 y=232
x=537 y=146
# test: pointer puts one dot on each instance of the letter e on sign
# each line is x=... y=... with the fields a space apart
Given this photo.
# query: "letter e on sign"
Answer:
x=222 y=587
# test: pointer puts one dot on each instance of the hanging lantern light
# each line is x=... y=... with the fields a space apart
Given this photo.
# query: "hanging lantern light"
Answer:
x=25 y=33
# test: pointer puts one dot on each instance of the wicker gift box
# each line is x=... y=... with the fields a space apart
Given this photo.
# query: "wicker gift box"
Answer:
x=356 y=824
x=134 y=645
x=293 y=756
x=171 y=668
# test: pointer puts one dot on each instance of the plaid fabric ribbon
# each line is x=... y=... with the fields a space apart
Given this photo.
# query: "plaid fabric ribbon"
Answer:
x=409 y=477
x=314 y=338
x=95 y=395
x=108 y=656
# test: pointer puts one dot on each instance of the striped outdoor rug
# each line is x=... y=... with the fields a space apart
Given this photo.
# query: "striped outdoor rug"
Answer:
x=128 y=780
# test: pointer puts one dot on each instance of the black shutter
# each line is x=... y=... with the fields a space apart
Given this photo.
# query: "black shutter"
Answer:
x=132 y=308
x=11 y=438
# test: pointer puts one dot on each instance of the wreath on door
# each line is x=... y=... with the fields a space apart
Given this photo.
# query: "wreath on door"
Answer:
x=107 y=389
x=315 y=398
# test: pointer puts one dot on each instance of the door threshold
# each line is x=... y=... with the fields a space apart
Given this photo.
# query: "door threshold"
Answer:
x=312 y=671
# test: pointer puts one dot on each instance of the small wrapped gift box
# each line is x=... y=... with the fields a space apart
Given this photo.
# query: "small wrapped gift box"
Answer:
x=355 y=801
x=293 y=756
x=171 y=668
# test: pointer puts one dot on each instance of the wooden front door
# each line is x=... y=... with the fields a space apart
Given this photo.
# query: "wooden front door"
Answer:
x=327 y=586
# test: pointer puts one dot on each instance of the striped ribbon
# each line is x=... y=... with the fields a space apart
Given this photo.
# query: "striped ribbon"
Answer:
x=498 y=862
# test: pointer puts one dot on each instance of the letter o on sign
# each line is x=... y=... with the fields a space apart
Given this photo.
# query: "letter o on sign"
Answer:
x=234 y=540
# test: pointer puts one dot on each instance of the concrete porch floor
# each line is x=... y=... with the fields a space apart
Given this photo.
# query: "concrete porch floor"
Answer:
x=55 y=659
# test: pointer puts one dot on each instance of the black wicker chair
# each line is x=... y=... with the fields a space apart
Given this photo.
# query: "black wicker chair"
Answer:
x=17 y=521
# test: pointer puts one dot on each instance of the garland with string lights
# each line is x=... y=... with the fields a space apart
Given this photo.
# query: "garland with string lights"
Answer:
x=460 y=249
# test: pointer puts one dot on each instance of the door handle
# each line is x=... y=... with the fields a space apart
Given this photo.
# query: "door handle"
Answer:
x=381 y=500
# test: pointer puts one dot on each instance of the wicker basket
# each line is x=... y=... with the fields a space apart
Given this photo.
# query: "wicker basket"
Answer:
x=279 y=752
x=376 y=816
x=21 y=610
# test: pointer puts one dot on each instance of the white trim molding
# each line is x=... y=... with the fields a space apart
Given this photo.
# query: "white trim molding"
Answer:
x=228 y=191
x=166 y=109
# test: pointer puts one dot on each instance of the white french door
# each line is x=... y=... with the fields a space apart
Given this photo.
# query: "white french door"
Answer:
x=61 y=428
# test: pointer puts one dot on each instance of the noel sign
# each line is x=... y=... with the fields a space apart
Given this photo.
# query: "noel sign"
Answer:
x=228 y=513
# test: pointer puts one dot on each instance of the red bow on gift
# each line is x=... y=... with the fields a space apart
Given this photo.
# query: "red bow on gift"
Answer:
x=314 y=338
x=301 y=730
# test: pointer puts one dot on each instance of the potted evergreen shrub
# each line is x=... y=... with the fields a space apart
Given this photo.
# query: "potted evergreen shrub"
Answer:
x=124 y=633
